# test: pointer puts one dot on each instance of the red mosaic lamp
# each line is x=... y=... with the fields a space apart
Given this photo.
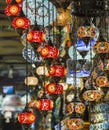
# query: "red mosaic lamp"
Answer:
x=54 y=88
x=11 y=1
x=26 y=118
x=21 y=23
x=57 y=71
x=12 y=10
x=43 y=104
x=49 y=52
x=35 y=36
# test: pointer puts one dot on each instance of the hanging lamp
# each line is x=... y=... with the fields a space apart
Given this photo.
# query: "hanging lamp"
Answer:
x=12 y=10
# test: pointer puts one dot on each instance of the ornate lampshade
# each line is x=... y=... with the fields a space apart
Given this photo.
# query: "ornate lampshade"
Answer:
x=102 y=81
x=21 y=22
x=10 y=1
x=31 y=81
x=75 y=124
x=42 y=104
x=77 y=107
x=41 y=70
x=26 y=118
x=49 y=52
x=12 y=10
x=101 y=48
x=57 y=70
x=51 y=88
x=54 y=88
x=80 y=107
x=86 y=33
x=92 y=95
x=35 y=36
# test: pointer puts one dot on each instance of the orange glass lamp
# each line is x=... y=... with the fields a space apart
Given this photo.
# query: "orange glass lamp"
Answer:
x=10 y=1
x=31 y=81
x=49 y=52
x=92 y=95
x=57 y=70
x=21 y=22
x=42 y=104
x=12 y=10
x=75 y=123
x=102 y=81
x=35 y=36
x=26 y=118
x=54 y=88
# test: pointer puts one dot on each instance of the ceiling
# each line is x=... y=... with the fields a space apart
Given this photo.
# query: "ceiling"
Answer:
x=12 y=64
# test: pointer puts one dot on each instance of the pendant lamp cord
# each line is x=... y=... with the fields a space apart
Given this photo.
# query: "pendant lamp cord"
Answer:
x=27 y=88
x=35 y=20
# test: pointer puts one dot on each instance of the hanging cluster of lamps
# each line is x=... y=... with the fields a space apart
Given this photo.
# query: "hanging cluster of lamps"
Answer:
x=47 y=34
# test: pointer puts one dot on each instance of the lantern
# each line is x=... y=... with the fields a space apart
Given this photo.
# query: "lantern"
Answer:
x=78 y=107
x=26 y=117
x=92 y=95
x=35 y=36
x=51 y=88
x=42 y=104
x=42 y=70
x=49 y=52
x=54 y=88
x=57 y=70
x=87 y=32
x=21 y=22
x=75 y=124
x=101 y=48
x=102 y=81
x=31 y=81
x=10 y=1
x=70 y=108
x=12 y=10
